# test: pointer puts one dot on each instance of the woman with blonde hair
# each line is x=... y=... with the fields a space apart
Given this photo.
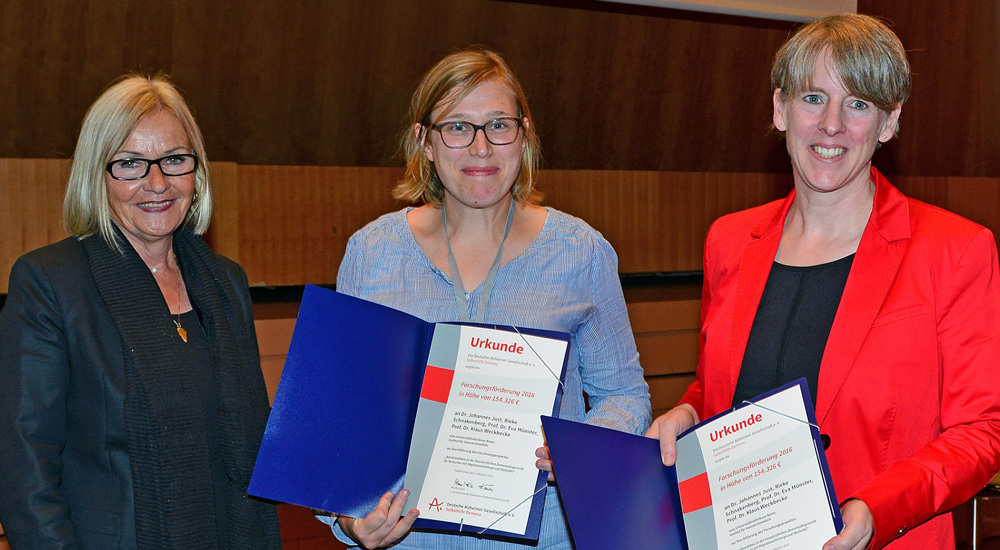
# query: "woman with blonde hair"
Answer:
x=479 y=248
x=134 y=403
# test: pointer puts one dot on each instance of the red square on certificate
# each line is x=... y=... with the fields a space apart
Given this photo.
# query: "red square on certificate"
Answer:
x=695 y=493
x=437 y=384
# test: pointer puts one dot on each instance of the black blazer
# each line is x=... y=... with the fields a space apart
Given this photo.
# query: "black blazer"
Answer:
x=66 y=479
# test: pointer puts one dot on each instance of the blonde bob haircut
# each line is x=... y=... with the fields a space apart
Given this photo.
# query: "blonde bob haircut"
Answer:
x=108 y=123
x=867 y=55
x=445 y=85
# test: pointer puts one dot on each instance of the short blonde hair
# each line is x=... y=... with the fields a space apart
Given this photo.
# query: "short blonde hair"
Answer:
x=461 y=71
x=108 y=123
x=867 y=55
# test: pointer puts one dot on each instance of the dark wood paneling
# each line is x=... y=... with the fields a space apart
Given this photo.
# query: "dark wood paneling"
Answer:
x=951 y=125
x=328 y=81
x=613 y=87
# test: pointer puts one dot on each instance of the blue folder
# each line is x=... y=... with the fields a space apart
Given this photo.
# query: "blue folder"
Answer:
x=616 y=491
x=339 y=432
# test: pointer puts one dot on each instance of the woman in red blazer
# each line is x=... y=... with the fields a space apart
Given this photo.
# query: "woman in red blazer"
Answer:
x=889 y=307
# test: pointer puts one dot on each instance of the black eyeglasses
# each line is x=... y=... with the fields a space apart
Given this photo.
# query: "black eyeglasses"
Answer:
x=135 y=169
x=459 y=134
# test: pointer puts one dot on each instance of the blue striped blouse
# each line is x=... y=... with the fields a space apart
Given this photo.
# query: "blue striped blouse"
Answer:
x=566 y=280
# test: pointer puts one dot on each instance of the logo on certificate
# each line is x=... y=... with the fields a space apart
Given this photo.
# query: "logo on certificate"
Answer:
x=436 y=504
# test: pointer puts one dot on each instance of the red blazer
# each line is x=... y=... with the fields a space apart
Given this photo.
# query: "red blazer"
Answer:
x=908 y=391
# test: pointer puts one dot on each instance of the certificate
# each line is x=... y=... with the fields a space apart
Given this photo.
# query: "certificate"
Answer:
x=752 y=478
x=756 y=477
x=369 y=394
x=472 y=457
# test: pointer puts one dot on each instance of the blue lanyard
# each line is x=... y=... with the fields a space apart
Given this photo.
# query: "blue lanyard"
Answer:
x=491 y=278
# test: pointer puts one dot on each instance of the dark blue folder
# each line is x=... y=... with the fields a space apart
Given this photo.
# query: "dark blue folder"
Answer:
x=339 y=432
x=616 y=491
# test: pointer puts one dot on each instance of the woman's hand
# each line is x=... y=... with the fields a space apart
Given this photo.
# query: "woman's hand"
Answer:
x=668 y=426
x=544 y=462
x=859 y=526
x=382 y=526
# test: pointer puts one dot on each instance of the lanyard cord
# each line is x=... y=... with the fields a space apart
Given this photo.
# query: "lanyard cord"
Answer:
x=491 y=278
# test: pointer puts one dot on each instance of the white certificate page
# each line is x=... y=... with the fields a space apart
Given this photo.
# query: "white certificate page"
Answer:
x=472 y=458
x=752 y=479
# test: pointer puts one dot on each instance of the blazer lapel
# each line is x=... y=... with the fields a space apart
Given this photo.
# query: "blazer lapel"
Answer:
x=755 y=266
x=873 y=271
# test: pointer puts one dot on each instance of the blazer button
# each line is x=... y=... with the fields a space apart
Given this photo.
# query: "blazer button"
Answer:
x=826 y=441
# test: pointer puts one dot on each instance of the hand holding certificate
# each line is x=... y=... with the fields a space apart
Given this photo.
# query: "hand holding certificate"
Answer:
x=369 y=393
x=754 y=477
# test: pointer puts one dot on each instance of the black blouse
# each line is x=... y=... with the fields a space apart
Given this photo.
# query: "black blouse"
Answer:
x=198 y=350
x=791 y=327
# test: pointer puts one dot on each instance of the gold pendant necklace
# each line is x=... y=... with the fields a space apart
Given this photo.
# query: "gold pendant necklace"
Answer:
x=180 y=330
x=177 y=322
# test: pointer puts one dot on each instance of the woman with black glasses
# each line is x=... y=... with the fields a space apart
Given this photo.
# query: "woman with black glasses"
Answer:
x=133 y=401
x=478 y=247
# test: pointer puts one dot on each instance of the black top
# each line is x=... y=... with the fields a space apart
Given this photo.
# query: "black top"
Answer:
x=791 y=327
x=199 y=357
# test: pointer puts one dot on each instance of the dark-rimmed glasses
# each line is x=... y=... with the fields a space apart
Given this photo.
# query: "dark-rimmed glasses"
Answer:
x=459 y=134
x=130 y=169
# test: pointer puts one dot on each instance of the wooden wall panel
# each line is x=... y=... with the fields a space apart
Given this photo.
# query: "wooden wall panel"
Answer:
x=951 y=124
x=289 y=225
x=666 y=334
x=327 y=82
x=933 y=190
x=31 y=195
x=657 y=221
x=676 y=351
x=612 y=87
x=295 y=220
x=666 y=391
x=654 y=316
x=224 y=233
x=274 y=336
x=977 y=199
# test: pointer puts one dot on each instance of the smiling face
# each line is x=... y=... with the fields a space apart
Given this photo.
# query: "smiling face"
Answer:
x=831 y=135
x=482 y=174
x=149 y=210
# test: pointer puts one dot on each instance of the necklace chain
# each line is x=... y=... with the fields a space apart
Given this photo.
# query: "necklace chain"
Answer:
x=180 y=330
x=461 y=298
x=180 y=290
